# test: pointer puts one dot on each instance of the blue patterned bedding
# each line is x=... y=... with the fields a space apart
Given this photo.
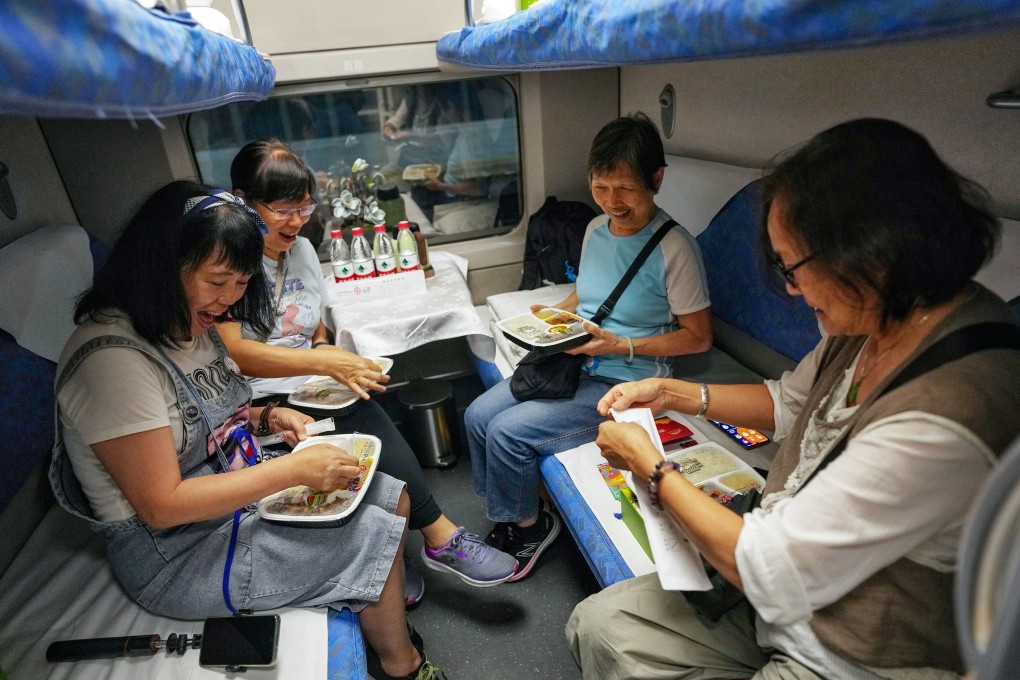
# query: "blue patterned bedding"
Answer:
x=116 y=59
x=565 y=34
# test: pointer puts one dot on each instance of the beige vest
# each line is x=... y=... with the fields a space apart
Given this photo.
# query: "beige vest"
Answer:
x=902 y=616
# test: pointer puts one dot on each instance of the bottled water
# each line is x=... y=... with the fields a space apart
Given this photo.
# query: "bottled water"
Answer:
x=340 y=257
x=361 y=254
x=407 y=248
x=382 y=251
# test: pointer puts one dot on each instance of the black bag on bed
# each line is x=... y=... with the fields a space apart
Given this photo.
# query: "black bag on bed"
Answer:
x=553 y=245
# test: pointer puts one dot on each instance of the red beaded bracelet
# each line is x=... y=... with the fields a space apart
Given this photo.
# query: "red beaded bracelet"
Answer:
x=661 y=468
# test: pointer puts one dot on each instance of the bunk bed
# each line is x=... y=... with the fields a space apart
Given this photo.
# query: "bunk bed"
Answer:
x=561 y=34
x=117 y=59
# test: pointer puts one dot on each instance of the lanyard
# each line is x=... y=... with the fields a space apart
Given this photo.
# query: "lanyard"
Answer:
x=281 y=275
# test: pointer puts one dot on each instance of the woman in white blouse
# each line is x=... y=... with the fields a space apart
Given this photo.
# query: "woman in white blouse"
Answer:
x=847 y=570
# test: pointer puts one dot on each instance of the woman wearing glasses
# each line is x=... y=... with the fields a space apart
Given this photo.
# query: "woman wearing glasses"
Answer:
x=279 y=185
x=848 y=564
x=154 y=445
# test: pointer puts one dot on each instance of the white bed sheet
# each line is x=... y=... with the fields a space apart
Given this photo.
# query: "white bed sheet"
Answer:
x=59 y=587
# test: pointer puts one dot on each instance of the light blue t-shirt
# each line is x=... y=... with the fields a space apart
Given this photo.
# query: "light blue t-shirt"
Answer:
x=671 y=282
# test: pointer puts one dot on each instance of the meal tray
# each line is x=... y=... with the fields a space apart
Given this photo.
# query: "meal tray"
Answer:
x=326 y=394
x=302 y=504
x=716 y=471
x=546 y=331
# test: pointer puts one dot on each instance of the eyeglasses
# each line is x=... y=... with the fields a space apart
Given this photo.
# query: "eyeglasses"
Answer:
x=287 y=213
x=787 y=272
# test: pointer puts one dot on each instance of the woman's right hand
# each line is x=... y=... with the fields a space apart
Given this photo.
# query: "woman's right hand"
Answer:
x=647 y=393
x=323 y=466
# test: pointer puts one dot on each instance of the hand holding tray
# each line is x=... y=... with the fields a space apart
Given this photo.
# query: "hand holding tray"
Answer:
x=301 y=504
x=546 y=331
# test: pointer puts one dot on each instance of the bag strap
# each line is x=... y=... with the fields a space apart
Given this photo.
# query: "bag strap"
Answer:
x=607 y=307
x=956 y=345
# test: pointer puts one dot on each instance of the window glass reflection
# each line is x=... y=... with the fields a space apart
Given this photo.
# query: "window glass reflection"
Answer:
x=444 y=155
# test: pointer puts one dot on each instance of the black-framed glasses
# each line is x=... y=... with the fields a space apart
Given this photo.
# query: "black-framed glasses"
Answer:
x=787 y=272
x=284 y=214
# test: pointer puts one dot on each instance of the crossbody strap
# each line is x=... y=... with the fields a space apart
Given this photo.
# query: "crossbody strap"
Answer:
x=607 y=306
x=956 y=345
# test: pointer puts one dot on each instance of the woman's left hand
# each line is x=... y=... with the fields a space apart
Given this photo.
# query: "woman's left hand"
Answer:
x=354 y=371
x=602 y=342
x=290 y=423
x=626 y=446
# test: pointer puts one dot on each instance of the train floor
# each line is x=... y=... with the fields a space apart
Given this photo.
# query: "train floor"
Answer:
x=510 y=631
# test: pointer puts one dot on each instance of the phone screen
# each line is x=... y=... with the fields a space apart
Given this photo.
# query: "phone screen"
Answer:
x=239 y=641
x=744 y=436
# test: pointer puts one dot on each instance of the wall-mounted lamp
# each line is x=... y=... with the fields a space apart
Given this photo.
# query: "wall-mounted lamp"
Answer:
x=7 y=202
x=667 y=107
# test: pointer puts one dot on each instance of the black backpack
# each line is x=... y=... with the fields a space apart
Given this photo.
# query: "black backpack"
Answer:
x=553 y=246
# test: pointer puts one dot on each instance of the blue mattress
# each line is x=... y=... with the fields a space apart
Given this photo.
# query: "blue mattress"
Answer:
x=116 y=59
x=565 y=34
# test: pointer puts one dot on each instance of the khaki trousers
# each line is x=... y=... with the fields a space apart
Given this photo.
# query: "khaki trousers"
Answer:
x=635 y=629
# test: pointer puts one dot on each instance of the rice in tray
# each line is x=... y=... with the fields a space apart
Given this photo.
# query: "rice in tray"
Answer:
x=701 y=464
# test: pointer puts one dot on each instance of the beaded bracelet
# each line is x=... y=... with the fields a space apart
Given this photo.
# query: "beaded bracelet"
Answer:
x=661 y=468
x=263 y=428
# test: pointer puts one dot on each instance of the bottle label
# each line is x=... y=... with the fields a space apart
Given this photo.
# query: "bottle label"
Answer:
x=385 y=265
x=408 y=262
x=343 y=272
x=363 y=269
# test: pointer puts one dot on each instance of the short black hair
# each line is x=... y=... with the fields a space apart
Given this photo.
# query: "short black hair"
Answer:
x=632 y=141
x=873 y=203
x=268 y=170
x=143 y=276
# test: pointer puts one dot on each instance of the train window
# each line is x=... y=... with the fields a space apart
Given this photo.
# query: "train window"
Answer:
x=443 y=154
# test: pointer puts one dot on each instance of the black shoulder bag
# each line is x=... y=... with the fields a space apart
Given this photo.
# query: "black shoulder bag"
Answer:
x=712 y=604
x=556 y=376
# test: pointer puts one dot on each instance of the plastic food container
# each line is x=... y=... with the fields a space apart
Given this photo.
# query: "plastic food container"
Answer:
x=324 y=393
x=302 y=504
x=716 y=471
x=546 y=331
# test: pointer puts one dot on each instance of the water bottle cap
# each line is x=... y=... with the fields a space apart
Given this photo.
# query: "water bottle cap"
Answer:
x=335 y=233
x=357 y=231
x=380 y=227
x=403 y=225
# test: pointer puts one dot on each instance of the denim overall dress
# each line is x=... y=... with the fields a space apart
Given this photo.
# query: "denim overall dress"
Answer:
x=179 y=572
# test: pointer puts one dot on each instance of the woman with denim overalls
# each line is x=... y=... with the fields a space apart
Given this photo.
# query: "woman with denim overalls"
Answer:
x=153 y=422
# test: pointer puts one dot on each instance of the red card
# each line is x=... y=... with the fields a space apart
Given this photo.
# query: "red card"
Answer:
x=671 y=431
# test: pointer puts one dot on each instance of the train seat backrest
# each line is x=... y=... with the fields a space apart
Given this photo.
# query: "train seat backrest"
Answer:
x=45 y=272
x=736 y=281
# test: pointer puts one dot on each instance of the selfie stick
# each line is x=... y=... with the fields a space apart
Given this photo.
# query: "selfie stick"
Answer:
x=106 y=648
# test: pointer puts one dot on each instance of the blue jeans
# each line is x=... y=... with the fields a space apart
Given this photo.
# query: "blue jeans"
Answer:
x=506 y=437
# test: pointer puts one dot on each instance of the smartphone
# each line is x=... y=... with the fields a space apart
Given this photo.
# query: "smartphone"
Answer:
x=744 y=436
x=233 y=641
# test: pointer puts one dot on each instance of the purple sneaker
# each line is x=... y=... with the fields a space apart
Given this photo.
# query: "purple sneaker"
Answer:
x=469 y=558
x=414 y=582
